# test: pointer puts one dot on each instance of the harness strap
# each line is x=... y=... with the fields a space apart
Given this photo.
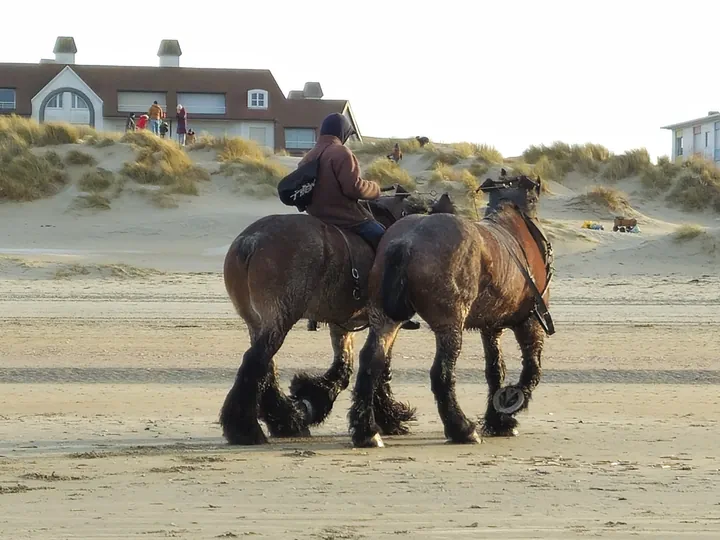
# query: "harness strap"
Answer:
x=355 y=277
x=540 y=310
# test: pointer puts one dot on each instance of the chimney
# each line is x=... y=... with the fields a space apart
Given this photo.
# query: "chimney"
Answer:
x=169 y=53
x=713 y=113
x=295 y=94
x=65 y=50
x=312 y=90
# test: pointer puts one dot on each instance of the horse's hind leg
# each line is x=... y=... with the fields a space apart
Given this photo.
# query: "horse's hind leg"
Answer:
x=278 y=411
x=495 y=423
x=239 y=413
x=442 y=378
x=391 y=416
x=318 y=394
x=361 y=417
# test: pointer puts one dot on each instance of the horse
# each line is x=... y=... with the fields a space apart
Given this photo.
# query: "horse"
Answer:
x=489 y=275
x=280 y=269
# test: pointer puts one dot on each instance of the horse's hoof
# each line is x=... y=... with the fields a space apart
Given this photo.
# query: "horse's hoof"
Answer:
x=245 y=439
x=373 y=442
x=508 y=400
x=492 y=432
x=472 y=438
x=410 y=325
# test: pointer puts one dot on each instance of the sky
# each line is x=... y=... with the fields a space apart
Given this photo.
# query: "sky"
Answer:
x=509 y=73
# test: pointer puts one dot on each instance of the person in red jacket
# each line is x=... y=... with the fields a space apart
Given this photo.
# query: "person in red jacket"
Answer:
x=142 y=122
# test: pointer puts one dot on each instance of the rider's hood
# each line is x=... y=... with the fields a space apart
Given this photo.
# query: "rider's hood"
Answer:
x=338 y=125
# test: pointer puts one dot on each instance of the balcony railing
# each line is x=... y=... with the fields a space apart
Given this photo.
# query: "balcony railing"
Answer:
x=7 y=105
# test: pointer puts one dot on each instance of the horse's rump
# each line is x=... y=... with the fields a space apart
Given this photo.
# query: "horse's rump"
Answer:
x=293 y=262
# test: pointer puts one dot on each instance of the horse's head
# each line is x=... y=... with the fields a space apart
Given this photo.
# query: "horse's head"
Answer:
x=521 y=190
x=443 y=205
x=390 y=208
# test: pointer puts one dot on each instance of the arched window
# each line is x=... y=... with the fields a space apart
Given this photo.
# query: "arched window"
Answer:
x=257 y=99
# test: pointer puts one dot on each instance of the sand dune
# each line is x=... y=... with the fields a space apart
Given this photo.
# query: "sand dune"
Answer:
x=119 y=346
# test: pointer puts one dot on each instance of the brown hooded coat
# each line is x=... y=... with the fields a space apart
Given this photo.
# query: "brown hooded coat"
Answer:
x=339 y=185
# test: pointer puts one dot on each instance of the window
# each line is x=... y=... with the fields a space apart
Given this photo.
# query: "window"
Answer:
x=78 y=102
x=679 y=146
x=202 y=103
x=7 y=99
x=696 y=130
x=139 y=102
x=707 y=139
x=56 y=102
x=257 y=99
x=299 y=138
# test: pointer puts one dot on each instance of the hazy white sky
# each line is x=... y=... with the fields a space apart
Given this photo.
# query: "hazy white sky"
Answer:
x=506 y=72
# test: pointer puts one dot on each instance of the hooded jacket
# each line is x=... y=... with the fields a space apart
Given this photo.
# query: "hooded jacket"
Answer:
x=339 y=185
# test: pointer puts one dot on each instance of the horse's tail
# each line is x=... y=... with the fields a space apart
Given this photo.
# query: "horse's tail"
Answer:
x=394 y=288
x=237 y=275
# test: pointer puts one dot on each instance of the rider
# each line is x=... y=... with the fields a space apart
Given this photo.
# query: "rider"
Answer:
x=339 y=185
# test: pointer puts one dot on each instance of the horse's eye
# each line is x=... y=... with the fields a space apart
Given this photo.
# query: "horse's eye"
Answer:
x=403 y=213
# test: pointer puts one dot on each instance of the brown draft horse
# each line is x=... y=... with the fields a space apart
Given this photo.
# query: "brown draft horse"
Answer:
x=459 y=275
x=286 y=267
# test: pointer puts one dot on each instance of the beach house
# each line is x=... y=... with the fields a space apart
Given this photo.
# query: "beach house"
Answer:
x=235 y=102
x=698 y=137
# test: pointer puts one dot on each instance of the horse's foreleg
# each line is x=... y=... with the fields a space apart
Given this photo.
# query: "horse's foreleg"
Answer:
x=361 y=417
x=495 y=423
x=239 y=413
x=442 y=378
x=391 y=416
x=531 y=337
x=318 y=394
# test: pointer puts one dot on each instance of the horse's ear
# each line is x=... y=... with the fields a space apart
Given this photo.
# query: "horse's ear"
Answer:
x=486 y=185
x=443 y=205
x=503 y=172
x=399 y=189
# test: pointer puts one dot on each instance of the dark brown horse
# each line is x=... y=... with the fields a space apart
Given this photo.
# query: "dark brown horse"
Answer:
x=283 y=268
x=456 y=274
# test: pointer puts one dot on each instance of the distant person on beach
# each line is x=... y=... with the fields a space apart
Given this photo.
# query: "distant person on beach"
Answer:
x=130 y=123
x=142 y=122
x=155 y=113
x=396 y=154
x=181 y=128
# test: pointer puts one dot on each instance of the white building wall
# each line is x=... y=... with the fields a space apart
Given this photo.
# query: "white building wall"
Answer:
x=704 y=145
x=67 y=78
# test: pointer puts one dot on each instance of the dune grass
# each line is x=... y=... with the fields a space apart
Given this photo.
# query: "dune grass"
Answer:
x=688 y=231
x=92 y=200
x=697 y=187
x=162 y=162
x=26 y=176
x=96 y=181
x=384 y=147
x=631 y=163
x=564 y=158
x=76 y=157
x=606 y=197
x=659 y=178
x=387 y=173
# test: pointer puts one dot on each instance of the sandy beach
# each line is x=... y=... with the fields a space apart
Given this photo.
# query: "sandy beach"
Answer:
x=119 y=345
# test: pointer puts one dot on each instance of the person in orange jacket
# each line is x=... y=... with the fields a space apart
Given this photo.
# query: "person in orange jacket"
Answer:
x=155 y=113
